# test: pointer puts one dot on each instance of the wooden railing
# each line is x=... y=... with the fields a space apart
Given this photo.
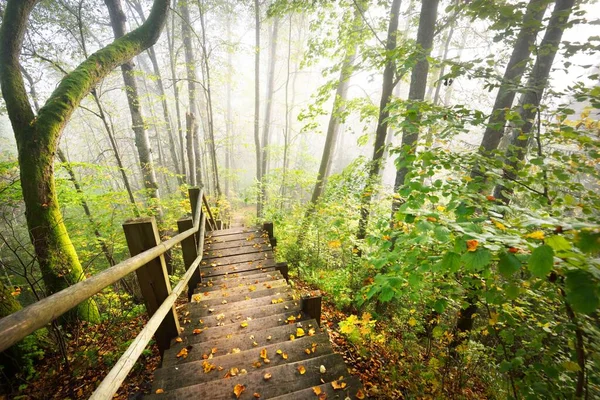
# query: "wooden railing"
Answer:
x=148 y=262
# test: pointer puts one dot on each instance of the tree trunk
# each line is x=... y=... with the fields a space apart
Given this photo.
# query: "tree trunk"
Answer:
x=529 y=103
x=209 y=106
x=142 y=142
x=338 y=108
x=382 y=124
x=194 y=178
x=172 y=63
x=532 y=23
x=37 y=137
x=229 y=114
x=416 y=92
x=268 y=107
x=12 y=359
x=259 y=198
x=163 y=98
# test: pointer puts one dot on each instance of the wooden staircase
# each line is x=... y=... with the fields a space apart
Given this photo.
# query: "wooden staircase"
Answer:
x=247 y=335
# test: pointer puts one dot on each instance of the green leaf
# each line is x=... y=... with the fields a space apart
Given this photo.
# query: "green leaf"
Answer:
x=541 y=261
x=387 y=293
x=440 y=305
x=558 y=243
x=477 y=260
x=512 y=292
x=508 y=264
x=588 y=242
x=581 y=289
x=450 y=262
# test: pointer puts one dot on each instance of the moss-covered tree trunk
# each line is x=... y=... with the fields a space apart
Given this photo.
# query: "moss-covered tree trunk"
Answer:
x=37 y=137
x=11 y=359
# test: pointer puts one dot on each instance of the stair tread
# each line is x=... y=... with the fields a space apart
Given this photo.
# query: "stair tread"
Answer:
x=201 y=294
x=260 y=291
x=210 y=244
x=242 y=341
x=256 y=265
x=285 y=378
x=210 y=285
x=353 y=385
x=193 y=372
x=234 y=280
x=199 y=311
x=234 y=315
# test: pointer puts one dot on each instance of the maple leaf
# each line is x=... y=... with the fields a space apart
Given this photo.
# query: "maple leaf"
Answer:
x=238 y=390
x=337 y=385
x=299 y=332
x=301 y=369
x=316 y=390
x=472 y=245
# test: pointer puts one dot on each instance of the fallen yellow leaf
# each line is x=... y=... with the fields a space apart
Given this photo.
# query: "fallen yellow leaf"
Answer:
x=299 y=332
x=263 y=353
x=267 y=376
x=183 y=353
x=301 y=369
x=238 y=390
x=159 y=391
x=317 y=390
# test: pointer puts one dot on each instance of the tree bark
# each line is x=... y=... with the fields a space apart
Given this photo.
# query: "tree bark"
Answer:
x=333 y=127
x=163 y=98
x=259 y=198
x=209 y=106
x=416 y=92
x=269 y=107
x=37 y=137
x=532 y=23
x=142 y=142
x=530 y=101
x=194 y=177
x=382 y=124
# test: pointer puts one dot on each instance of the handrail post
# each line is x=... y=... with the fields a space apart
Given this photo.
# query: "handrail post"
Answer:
x=268 y=227
x=189 y=247
x=142 y=234
x=195 y=195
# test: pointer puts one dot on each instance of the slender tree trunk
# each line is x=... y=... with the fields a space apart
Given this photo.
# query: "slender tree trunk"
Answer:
x=194 y=178
x=382 y=124
x=333 y=127
x=416 y=92
x=172 y=63
x=259 y=199
x=142 y=142
x=209 y=106
x=163 y=98
x=229 y=115
x=529 y=103
x=37 y=137
x=268 y=107
x=286 y=130
x=532 y=23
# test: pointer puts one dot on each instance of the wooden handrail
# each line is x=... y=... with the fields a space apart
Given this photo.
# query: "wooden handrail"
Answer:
x=37 y=315
x=210 y=215
x=111 y=383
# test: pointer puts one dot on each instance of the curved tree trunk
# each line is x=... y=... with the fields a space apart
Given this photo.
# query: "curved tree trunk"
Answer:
x=142 y=142
x=37 y=138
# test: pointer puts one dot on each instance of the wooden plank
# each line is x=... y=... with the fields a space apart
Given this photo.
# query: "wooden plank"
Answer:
x=352 y=386
x=235 y=236
x=239 y=282
x=256 y=266
x=312 y=306
x=234 y=231
x=235 y=251
x=238 y=259
x=212 y=245
x=189 y=248
x=142 y=234
x=234 y=316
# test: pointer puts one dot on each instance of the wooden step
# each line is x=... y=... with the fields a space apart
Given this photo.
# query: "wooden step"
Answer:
x=194 y=372
x=256 y=266
x=210 y=255
x=236 y=259
x=236 y=274
x=210 y=244
x=260 y=291
x=235 y=316
x=232 y=280
x=243 y=341
x=201 y=294
x=349 y=391
x=284 y=379
x=285 y=294
x=242 y=326
x=208 y=285
x=232 y=231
